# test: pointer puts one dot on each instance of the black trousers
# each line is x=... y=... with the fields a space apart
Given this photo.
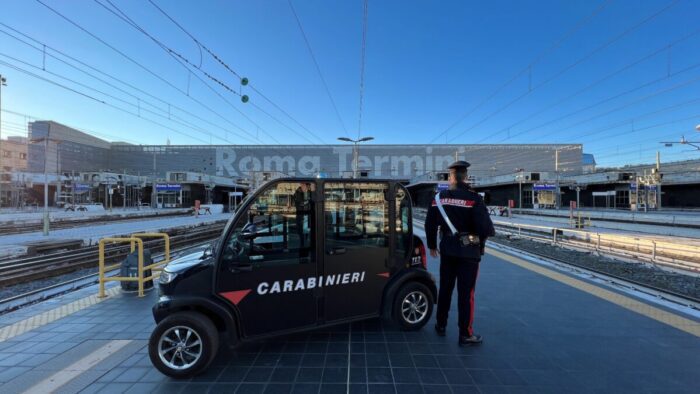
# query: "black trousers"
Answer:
x=464 y=273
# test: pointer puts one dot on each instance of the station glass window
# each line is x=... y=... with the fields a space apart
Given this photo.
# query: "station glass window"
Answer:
x=403 y=222
x=622 y=198
x=278 y=230
x=356 y=215
x=527 y=198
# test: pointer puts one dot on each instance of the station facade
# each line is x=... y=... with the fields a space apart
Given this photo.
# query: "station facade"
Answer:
x=532 y=175
x=81 y=152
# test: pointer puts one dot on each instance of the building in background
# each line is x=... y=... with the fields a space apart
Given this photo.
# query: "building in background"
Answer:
x=14 y=158
x=74 y=150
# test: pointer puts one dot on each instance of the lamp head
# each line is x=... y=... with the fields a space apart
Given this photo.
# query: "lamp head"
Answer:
x=345 y=139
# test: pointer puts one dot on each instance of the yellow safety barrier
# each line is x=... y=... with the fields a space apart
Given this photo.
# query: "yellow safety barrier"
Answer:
x=136 y=242
x=166 y=239
x=580 y=221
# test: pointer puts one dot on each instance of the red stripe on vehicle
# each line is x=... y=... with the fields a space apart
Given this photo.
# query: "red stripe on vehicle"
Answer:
x=235 y=296
x=384 y=274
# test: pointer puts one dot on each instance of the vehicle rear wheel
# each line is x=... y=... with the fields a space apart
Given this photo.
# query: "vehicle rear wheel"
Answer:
x=413 y=306
x=184 y=344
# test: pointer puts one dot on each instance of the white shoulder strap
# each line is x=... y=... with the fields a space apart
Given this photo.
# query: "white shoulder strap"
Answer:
x=444 y=215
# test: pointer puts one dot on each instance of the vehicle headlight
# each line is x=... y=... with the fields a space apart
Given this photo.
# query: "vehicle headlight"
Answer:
x=166 y=277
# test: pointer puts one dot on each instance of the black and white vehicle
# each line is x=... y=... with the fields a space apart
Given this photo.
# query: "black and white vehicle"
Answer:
x=299 y=254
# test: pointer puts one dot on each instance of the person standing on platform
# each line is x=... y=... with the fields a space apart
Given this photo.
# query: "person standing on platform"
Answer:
x=461 y=217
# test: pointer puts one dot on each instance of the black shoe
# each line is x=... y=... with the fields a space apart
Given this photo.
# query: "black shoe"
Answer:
x=470 y=340
x=440 y=330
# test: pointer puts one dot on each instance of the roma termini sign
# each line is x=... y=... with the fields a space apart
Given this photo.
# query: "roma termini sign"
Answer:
x=402 y=161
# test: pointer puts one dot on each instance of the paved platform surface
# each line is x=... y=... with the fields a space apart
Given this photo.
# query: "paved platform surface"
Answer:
x=545 y=332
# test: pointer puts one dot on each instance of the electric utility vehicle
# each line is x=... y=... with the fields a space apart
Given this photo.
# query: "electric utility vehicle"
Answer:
x=298 y=254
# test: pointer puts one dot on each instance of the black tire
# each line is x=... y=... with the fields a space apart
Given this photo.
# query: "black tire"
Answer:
x=411 y=293
x=200 y=325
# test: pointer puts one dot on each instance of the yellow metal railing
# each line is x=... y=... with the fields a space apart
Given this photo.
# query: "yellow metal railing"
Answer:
x=580 y=221
x=136 y=242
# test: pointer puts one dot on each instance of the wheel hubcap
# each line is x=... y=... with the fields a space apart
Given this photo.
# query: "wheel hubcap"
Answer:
x=414 y=307
x=180 y=347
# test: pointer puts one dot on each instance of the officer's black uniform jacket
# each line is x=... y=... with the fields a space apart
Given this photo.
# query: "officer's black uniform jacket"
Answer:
x=467 y=212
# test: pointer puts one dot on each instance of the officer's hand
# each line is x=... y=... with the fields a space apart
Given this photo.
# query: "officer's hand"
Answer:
x=434 y=253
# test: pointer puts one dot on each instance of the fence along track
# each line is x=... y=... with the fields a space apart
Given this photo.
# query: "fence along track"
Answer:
x=25 y=270
x=666 y=254
x=661 y=253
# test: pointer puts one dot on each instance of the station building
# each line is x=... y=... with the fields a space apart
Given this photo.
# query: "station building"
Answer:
x=531 y=175
x=212 y=172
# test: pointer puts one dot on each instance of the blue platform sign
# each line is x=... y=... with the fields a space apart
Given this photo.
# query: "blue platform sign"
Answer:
x=633 y=185
x=168 y=187
x=545 y=186
x=442 y=186
x=81 y=187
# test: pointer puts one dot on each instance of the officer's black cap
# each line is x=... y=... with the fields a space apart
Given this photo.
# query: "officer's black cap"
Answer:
x=461 y=164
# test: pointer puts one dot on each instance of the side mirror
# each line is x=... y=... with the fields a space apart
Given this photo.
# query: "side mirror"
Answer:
x=209 y=251
x=249 y=232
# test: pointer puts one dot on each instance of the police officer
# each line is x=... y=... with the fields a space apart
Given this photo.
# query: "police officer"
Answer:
x=468 y=214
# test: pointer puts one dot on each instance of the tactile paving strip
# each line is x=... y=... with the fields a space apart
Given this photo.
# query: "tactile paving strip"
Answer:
x=49 y=316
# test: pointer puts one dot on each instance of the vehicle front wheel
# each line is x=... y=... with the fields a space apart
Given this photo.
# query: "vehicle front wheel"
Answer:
x=413 y=306
x=183 y=345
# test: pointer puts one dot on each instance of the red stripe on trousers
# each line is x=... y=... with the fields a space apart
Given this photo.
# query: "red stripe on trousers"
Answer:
x=470 y=330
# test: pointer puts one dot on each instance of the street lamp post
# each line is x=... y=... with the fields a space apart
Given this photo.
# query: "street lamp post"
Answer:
x=355 y=151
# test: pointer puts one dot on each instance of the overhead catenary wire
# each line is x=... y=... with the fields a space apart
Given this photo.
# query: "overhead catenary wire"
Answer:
x=528 y=68
x=230 y=69
x=556 y=103
x=88 y=96
x=139 y=108
x=151 y=72
x=121 y=81
x=167 y=82
x=184 y=62
x=674 y=106
x=180 y=59
x=35 y=117
x=318 y=68
x=363 y=51
x=569 y=67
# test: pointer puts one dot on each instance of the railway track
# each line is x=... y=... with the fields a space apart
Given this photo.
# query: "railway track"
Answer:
x=23 y=270
x=10 y=228
x=626 y=282
x=647 y=288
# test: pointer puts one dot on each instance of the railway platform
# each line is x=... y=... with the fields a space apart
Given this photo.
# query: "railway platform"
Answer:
x=545 y=331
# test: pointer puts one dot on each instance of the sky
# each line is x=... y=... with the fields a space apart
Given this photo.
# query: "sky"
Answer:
x=618 y=76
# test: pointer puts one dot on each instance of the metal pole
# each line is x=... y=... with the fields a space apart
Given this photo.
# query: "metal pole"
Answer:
x=556 y=166
x=72 y=191
x=354 y=165
x=658 y=180
x=2 y=82
x=124 y=192
x=520 y=189
x=578 y=202
x=58 y=172
x=46 y=182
